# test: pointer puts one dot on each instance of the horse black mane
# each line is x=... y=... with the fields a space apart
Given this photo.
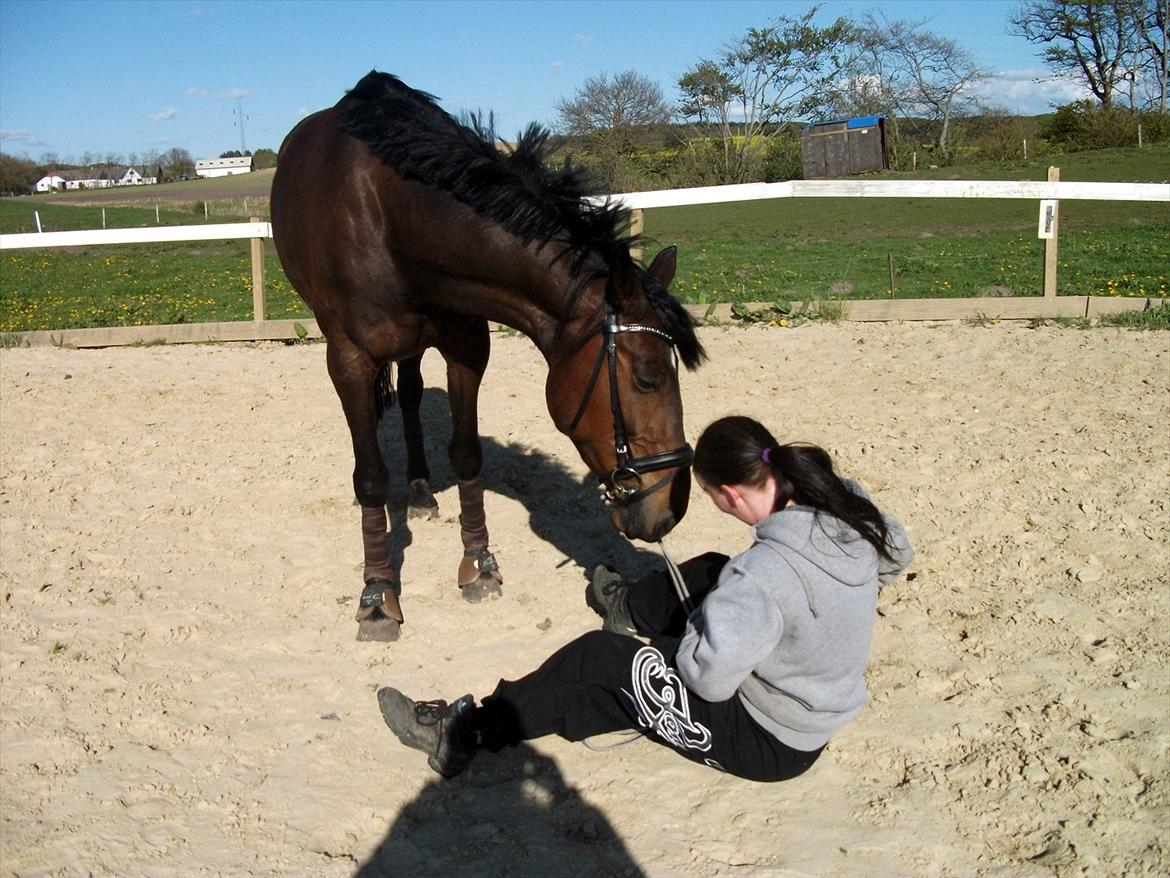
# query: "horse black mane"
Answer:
x=516 y=188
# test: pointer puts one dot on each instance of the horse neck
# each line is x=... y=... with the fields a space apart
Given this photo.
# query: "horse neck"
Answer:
x=530 y=290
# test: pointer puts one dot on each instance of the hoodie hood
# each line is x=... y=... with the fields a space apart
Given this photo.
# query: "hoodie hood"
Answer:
x=806 y=539
x=825 y=542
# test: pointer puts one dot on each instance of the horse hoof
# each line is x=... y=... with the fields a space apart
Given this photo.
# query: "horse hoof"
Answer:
x=379 y=614
x=379 y=628
x=485 y=587
x=421 y=502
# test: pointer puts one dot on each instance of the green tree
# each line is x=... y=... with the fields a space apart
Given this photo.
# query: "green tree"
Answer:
x=263 y=158
x=764 y=81
x=17 y=175
x=1089 y=40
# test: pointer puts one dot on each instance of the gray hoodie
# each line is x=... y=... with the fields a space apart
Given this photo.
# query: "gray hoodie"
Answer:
x=787 y=627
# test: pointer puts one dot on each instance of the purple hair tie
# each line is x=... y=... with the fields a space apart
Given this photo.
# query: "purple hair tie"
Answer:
x=766 y=456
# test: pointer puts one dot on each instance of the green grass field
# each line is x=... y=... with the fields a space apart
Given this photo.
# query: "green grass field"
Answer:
x=816 y=248
x=762 y=251
x=130 y=285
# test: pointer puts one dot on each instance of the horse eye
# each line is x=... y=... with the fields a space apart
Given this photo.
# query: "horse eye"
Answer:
x=645 y=384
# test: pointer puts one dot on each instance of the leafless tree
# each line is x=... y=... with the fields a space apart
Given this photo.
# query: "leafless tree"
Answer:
x=177 y=162
x=920 y=73
x=607 y=113
x=1152 y=18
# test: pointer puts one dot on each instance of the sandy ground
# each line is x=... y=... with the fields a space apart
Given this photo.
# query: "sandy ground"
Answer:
x=182 y=693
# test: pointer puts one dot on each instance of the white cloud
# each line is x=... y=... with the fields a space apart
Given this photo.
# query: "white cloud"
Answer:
x=557 y=65
x=27 y=138
x=302 y=112
x=583 y=39
x=1030 y=91
x=162 y=115
x=196 y=91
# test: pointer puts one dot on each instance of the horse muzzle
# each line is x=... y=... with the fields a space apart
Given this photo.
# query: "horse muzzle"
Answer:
x=647 y=509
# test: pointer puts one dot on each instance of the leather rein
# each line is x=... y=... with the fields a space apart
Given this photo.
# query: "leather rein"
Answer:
x=624 y=485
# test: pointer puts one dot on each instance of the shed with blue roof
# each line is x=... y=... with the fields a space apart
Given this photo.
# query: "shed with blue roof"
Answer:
x=844 y=148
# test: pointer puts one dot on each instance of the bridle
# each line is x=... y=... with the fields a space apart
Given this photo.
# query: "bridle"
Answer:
x=624 y=485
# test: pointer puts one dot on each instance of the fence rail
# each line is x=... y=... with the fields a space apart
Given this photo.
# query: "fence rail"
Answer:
x=1047 y=193
x=1026 y=189
x=144 y=235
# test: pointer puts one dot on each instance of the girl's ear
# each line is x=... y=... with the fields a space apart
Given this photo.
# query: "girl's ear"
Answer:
x=730 y=495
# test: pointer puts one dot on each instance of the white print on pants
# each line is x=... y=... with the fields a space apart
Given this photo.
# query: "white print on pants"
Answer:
x=660 y=700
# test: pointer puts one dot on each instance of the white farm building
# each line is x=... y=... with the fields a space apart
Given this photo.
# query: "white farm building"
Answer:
x=223 y=167
x=96 y=177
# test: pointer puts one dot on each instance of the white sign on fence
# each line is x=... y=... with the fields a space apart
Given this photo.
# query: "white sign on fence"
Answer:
x=1047 y=228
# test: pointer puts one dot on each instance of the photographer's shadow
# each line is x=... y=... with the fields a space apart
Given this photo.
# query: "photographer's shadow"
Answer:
x=563 y=509
x=510 y=814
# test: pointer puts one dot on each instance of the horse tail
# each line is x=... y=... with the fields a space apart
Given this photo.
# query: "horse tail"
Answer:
x=384 y=394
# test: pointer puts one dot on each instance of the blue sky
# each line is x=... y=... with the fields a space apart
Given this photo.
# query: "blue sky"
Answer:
x=127 y=77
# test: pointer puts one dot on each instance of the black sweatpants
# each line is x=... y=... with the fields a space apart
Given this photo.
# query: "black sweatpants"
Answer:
x=604 y=682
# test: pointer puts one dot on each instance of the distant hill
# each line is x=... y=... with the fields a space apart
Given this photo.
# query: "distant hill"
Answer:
x=1121 y=165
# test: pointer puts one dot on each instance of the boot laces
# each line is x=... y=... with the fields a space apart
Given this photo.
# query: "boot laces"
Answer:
x=429 y=713
x=614 y=586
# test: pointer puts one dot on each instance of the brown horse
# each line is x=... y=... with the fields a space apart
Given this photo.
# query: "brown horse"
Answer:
x=405 y=229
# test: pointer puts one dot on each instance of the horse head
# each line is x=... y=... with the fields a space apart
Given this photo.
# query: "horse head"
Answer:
x=615 y=394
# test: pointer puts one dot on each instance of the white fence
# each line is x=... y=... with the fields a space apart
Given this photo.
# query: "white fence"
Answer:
x=1034 y=191
x=144 y=235
x=1048 y=194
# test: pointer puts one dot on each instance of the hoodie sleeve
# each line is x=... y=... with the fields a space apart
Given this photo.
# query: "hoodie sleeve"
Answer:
x=901 y=554
x=737 y=626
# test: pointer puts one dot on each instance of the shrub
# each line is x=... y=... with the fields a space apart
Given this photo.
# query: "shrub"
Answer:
x=1080 y=126
x=1002 y=138
x=782 y=161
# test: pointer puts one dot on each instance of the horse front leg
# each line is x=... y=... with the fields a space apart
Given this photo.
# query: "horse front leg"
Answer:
x=421 y=502
x=353 y=373
x=479 y=575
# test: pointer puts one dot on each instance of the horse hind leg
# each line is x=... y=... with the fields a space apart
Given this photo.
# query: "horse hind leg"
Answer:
x=421 y=501
x=354 y=373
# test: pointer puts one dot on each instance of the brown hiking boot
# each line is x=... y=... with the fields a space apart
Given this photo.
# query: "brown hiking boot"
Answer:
x=608 y=596
x=430 y=726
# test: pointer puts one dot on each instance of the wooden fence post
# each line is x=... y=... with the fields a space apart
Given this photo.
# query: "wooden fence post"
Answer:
x=1051 y=242
x=637 y=226
x=257 y=275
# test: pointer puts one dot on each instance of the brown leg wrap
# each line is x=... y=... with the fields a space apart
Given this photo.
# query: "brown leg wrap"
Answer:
x=473 y=530
x=374 y=542
x=472 y=521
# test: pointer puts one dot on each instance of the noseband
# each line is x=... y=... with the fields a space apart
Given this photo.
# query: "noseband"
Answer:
x=624 y=485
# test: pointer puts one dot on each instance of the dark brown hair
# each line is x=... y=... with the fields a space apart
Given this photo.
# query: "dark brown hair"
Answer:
x=737 y=450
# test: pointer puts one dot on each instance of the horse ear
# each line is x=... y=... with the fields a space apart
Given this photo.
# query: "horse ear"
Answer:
x=665 y=264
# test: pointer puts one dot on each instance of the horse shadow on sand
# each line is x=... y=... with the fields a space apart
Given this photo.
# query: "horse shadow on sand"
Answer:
x=564 y=509
x=510 y=815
